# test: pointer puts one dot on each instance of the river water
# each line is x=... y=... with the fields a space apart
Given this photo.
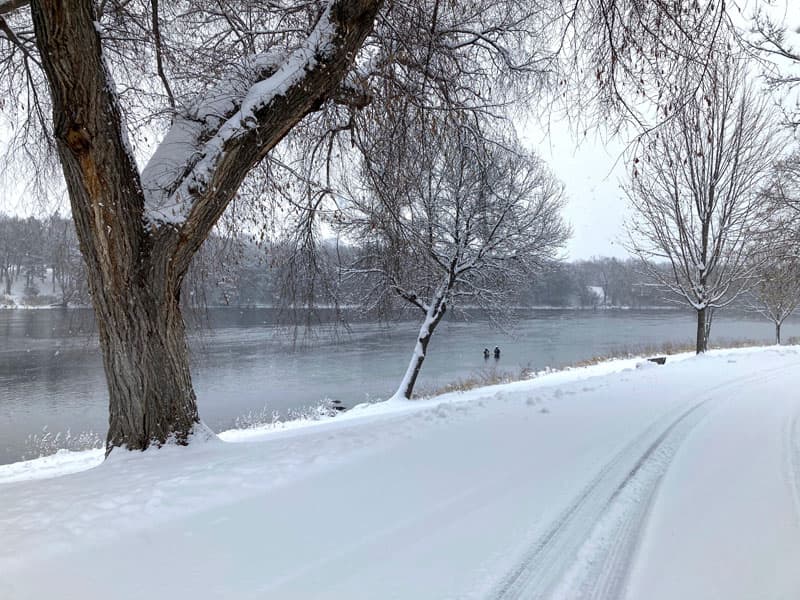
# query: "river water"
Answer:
x=246 y=367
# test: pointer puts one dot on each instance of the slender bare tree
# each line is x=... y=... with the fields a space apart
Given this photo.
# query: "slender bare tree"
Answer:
x=450 y=220
x=776 y=294
x=695 y=192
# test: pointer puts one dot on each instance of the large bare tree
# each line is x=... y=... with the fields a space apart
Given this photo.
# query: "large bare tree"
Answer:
x=219 y=85
x=139 y=229
x=695 y=192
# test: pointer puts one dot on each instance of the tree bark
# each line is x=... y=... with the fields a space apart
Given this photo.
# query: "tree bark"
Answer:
x=433 y=318
x=777 y=333
x=146 y=362
x=702 y=334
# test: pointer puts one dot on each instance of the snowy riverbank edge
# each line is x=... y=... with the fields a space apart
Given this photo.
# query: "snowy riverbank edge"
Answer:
x=65 y=462
x=620 y=481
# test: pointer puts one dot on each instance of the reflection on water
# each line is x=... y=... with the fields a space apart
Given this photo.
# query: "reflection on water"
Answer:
x=243 y=362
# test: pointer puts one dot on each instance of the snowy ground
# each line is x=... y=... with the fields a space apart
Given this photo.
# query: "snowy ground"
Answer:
x=681 y=481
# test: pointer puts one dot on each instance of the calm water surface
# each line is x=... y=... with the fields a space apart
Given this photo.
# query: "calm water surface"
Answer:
x=245 y=367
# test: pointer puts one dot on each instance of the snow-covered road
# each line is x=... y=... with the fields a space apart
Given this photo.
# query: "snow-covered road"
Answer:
x=726 y=522
x=681 y=481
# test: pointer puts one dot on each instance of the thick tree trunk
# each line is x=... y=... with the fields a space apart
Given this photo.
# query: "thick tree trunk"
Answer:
x=132 y=274
x=151 y=398
x=432 y=319
x=702 y=332
x=777 y=333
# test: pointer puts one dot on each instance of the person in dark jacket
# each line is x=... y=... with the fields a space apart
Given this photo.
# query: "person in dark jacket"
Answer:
x=497 y=352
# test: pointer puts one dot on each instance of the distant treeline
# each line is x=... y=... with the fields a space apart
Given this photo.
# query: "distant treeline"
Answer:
x=40 y=264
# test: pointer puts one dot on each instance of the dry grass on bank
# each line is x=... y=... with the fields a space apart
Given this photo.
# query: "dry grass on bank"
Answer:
x=481 y=378
x=494 y=376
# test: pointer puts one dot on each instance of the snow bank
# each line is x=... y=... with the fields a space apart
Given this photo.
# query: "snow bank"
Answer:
x=62 y=462
x=596 y=480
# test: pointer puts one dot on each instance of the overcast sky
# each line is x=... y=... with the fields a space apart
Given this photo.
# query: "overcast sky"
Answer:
x=591 y=172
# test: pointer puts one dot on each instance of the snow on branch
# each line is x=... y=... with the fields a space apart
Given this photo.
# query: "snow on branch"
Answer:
x=184 y=163
x=183 y=146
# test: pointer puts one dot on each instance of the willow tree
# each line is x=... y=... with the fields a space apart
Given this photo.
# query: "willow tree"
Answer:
x=139 y=229
x=159 y=112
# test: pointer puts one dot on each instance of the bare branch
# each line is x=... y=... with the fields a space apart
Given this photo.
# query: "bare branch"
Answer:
x=10 y=6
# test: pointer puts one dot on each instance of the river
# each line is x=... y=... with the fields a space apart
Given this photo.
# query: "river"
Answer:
x=246 y=367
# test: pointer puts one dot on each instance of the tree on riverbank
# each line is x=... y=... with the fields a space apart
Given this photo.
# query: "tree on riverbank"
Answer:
x=696 y=192
x=449 y=219
x=777 y=293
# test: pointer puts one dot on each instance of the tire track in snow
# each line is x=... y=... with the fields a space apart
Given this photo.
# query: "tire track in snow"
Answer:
x=602 y=565
x=793 y=448
x=587 y=551
x=543 y=566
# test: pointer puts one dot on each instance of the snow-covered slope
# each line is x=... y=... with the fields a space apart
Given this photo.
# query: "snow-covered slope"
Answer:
x=613 y=481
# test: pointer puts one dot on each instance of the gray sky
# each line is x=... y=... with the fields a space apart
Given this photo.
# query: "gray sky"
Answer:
x=591 y=172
